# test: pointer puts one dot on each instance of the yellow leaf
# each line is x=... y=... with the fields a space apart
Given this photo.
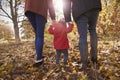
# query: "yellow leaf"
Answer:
x=74 y=71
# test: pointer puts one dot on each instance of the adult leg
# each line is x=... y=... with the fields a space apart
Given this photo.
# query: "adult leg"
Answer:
x=39 y=35
x=83 y=45
x=93 y=16
x=38 y=23
x=31 y=18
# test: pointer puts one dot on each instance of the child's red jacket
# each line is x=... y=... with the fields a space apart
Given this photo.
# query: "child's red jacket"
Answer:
x=60 y=35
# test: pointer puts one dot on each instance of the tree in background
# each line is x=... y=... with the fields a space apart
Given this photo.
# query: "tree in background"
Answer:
x=116 y=16
x=109 y=18
x=27 y=30
x=10 y=9
x=5 y=31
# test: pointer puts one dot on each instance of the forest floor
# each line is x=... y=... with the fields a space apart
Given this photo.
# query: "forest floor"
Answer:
x=16 y=62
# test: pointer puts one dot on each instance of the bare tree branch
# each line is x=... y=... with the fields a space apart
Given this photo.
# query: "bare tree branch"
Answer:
x=11 y=7
x=6 y=13
x=3 y=15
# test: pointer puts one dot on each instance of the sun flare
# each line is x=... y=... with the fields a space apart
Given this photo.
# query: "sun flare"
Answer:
x=58 y=5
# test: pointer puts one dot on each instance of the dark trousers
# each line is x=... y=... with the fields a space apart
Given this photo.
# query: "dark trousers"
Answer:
x=38 y=23
x=86 y=22
x=58 y=55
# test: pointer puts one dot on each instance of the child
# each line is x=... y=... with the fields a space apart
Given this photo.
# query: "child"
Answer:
x=61 y=43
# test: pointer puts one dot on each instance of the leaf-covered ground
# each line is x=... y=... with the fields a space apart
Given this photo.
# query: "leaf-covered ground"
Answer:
x=16 y=62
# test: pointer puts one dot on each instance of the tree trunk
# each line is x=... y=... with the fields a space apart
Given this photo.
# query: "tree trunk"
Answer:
x=16 y=32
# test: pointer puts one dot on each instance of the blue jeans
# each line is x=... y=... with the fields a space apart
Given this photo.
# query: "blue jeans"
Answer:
x=38 y=23
x=65 y=52
x=85 y=22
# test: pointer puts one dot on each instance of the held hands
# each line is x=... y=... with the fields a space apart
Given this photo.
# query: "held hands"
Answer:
x=53 y=22
x=69 y=24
